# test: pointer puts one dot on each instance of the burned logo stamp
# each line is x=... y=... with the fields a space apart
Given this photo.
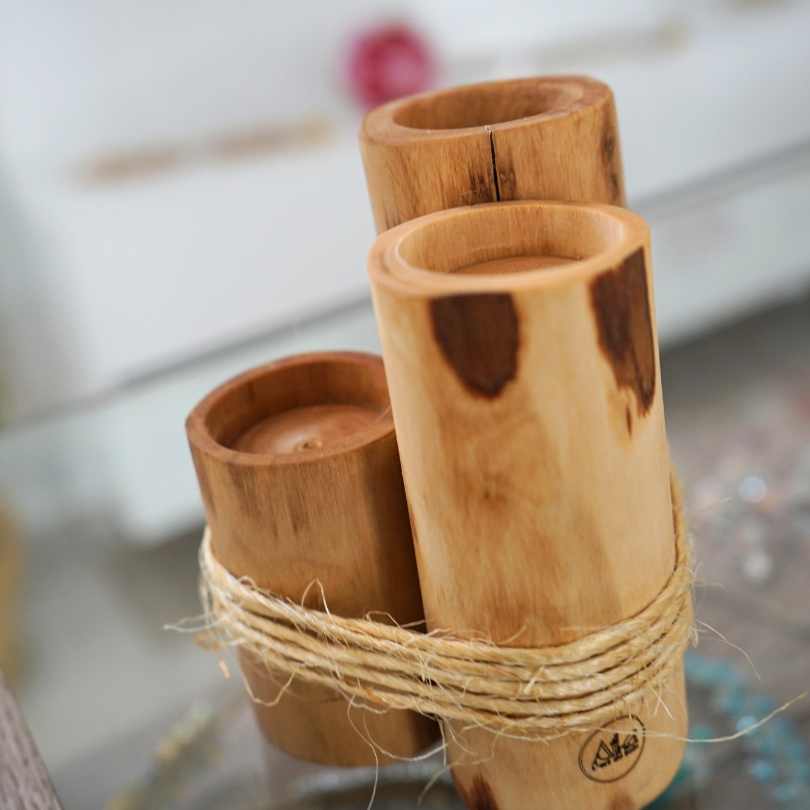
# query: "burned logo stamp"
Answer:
x=612 y=752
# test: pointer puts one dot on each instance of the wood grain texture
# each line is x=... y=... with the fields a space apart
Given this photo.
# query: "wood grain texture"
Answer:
x=549 y=138
x=24 y=780
x=540 y=505
x=299 y=472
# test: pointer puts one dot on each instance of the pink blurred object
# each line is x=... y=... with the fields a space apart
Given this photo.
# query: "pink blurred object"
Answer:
x=387 y=62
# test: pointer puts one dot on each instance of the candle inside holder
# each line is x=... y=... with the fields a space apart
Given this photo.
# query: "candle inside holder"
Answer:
x=300 y=431
x=511 y=264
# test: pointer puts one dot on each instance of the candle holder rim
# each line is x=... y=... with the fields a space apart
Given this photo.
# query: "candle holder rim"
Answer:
x=388 y=266
x=383 y=124
x=198 y=422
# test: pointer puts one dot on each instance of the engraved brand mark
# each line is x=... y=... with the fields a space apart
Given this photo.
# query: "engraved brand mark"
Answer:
x=619 y=748
x=612 y=752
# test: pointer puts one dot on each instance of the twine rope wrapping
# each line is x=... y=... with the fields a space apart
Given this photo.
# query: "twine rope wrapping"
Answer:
x=521 y=692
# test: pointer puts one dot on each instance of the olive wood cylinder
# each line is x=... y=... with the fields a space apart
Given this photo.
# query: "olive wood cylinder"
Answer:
x=298 y=468
x=522 y=362
x=545 y=138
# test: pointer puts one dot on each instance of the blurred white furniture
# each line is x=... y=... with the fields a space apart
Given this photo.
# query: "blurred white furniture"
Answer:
x=106 y=284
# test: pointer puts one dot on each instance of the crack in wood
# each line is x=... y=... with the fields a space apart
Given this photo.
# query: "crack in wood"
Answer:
x=494 y=164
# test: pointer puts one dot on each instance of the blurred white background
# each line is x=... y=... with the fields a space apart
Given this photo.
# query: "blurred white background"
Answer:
x=109 y=276
x=104 y=281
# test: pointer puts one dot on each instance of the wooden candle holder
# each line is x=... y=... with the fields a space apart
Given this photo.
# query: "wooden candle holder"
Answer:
x=298 y=468
x=521 y=354
x=546 y=138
